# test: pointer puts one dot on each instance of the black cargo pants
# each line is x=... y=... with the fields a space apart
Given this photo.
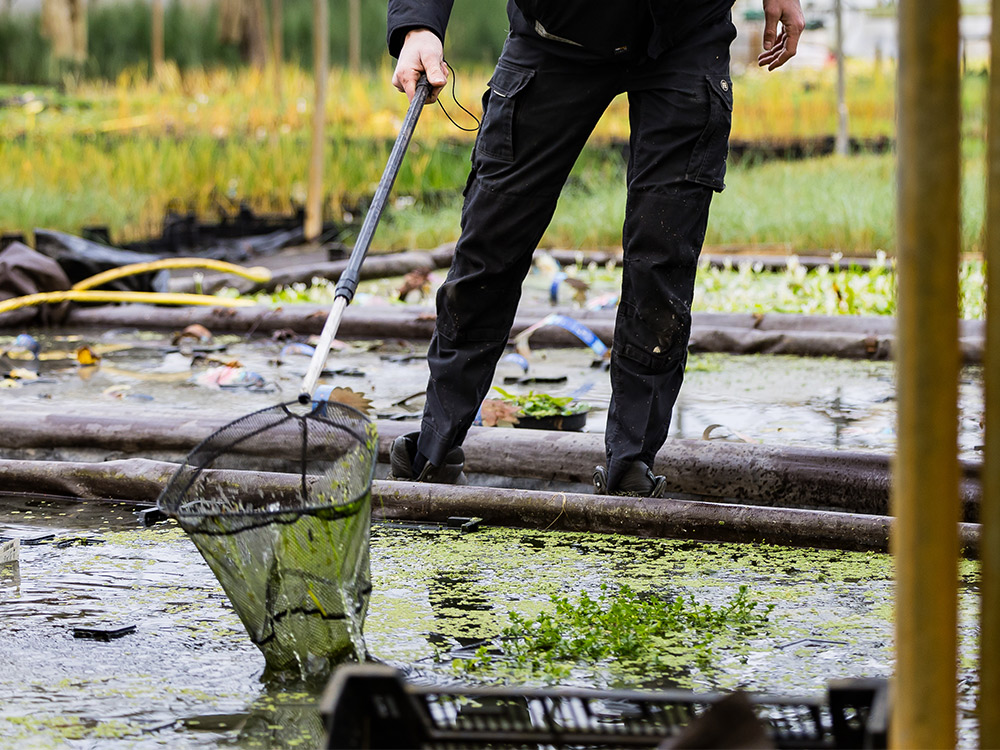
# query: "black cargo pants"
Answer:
x=539 y=111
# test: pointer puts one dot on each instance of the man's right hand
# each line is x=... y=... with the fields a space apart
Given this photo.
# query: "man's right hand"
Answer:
x=422 y=52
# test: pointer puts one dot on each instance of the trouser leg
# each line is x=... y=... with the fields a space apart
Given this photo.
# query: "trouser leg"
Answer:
x=680 y=112
x=475 y=310
x=538 y=115
x=653 y=322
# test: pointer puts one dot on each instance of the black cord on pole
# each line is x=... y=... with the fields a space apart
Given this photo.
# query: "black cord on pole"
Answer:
x=454 y=78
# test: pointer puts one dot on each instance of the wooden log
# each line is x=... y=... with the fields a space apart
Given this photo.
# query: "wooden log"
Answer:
x=140 y=481
x=847 y=336
x=786 y=476
x=374 y=267
x=644 y=517
x=135 y=480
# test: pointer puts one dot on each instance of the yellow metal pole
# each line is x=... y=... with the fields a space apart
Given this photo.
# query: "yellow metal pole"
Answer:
x=925 y=493
x=989 y=509
x=321 y=66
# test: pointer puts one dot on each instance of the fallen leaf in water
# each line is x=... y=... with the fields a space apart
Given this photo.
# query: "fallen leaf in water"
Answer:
x=725 y=433
x=580 y=289
x=195 y=331
x=417 y=280
x=87 y=356
x=20 y=373
x=498 y=413
x=352 y=398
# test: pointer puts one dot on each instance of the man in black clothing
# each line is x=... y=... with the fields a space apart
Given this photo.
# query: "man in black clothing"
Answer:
x=562 y=64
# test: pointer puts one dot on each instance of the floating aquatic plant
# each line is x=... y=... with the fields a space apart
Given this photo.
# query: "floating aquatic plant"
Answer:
x=645 y=632
x=538 y=405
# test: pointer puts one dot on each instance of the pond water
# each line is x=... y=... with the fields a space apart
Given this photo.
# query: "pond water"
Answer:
x=188 y=676
x=775 y=400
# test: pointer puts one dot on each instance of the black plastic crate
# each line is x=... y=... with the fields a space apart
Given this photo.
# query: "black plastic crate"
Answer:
x=372 y=706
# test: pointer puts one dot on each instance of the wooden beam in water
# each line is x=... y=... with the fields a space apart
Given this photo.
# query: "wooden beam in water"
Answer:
x=139 y=481
x=785 y=476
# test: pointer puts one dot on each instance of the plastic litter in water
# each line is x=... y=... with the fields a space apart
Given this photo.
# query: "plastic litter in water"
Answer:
x=226 y=376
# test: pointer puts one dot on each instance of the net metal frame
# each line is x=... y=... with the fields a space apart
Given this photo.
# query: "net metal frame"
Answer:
x=248 y=465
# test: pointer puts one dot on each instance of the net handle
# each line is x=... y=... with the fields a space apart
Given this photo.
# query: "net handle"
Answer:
x=349 y=278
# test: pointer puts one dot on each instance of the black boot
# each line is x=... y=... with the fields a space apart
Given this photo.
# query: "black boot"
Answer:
x=404 y=451
x=637 y=481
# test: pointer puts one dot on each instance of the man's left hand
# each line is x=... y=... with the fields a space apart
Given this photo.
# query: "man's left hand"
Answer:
x=779 y=48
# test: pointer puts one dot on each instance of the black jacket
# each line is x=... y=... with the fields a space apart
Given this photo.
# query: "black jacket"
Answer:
x=602 y=28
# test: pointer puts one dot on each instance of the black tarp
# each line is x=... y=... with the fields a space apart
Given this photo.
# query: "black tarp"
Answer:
x=24 y=271
x=81 y=259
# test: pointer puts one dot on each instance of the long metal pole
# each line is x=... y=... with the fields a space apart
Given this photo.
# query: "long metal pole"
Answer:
x=321 y=67
x=348 y=282
x=925 y=495
x=989 y=639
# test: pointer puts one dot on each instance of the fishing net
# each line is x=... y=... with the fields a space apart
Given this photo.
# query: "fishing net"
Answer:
x=279 y=505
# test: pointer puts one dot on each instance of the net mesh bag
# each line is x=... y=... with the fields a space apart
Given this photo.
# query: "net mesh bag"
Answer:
x=279 y=505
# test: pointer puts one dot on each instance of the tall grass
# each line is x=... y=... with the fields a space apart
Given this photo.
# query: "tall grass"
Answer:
x=120 y=153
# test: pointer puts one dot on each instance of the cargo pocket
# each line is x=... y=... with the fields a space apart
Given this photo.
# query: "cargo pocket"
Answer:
x=496 y=137
x=707 y=165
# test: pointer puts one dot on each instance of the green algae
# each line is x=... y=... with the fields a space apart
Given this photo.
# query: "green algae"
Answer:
x=839 y=603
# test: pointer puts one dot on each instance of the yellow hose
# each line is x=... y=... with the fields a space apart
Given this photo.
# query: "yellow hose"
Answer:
x=257 y=273
x=152 y=298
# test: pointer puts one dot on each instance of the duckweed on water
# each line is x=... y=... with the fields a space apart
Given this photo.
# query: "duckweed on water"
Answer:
x=641 y=632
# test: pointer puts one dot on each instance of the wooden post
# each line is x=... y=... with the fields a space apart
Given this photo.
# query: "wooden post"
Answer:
x=354 y=35
x=277 y=45
x=842 y=143
x=158 y=41
x=989 y=639
x=925 y=494
x=321 y=57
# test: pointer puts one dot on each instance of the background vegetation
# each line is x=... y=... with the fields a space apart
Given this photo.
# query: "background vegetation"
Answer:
x=115 y=148
x=120 y=37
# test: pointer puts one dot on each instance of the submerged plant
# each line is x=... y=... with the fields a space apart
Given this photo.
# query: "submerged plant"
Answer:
x=638 y=631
